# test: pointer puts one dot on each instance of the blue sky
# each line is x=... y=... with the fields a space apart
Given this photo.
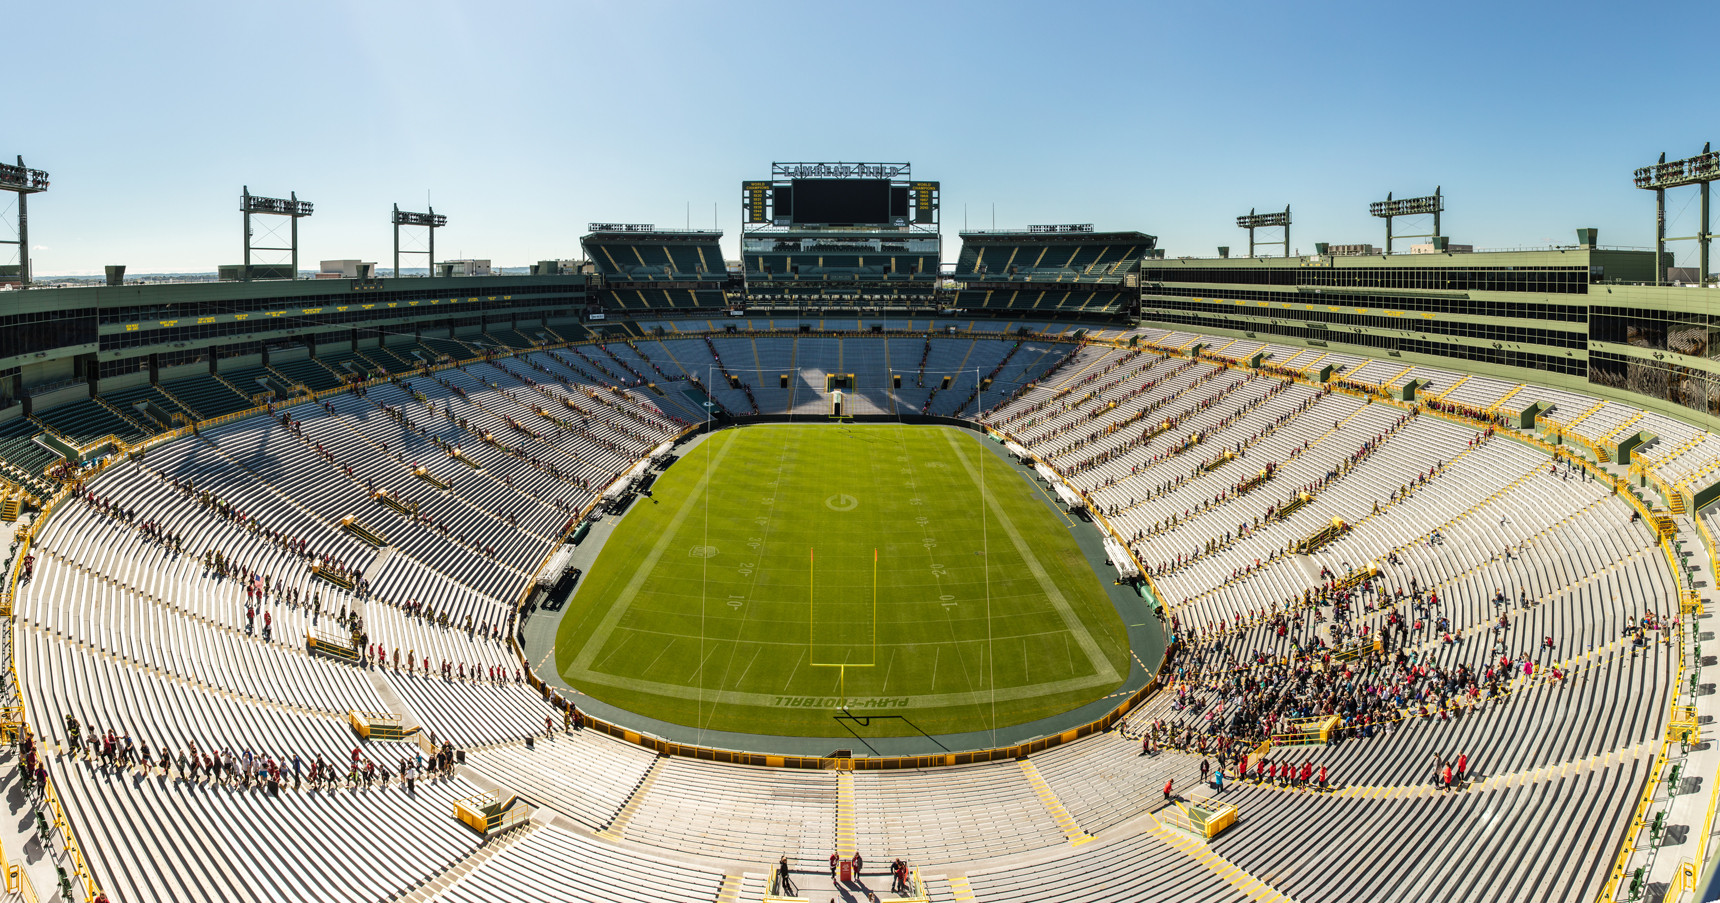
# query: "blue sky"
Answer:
x=525 y=121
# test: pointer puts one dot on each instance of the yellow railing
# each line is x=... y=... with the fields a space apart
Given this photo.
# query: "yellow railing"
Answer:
x=80 y=866
x=487 y=812
x=1683 y=882
x=1686 y=878
x=1628 y=845
x=1308 y=730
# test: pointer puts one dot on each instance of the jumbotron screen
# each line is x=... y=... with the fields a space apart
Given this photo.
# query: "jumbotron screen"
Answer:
x=825 y=201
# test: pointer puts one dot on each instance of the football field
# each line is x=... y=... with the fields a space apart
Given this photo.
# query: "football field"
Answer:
x=784 y=573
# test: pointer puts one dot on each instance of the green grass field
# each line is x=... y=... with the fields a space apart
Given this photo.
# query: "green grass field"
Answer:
x=773 y=555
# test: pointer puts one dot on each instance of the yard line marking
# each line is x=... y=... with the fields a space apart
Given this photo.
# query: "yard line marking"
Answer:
x=624 y=640
x=742 y=679
x=666 y=648
x=792 y=671
x=1101 y=665
x=582 y=663
x=698 y=672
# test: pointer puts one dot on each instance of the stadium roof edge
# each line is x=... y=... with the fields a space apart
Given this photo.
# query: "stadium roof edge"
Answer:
x=682 y=234
x=1059 y=237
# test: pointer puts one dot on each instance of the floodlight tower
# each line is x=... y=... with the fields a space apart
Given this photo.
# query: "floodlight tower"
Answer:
x=1699 y=171
x=430 y=221
x=1388 y=208
x=290 y=207
x=25 y=182
x=1266 y=221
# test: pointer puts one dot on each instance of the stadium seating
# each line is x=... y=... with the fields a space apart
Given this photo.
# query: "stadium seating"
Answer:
x=556 y=865
x=206 y=397
x=634 y=267
x=127 y=623
x=739 y=813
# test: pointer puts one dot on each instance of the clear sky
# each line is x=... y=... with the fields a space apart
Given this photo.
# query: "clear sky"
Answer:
x=524 y=121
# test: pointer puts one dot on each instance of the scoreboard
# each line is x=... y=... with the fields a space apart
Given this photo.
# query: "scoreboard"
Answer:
x=847 y=195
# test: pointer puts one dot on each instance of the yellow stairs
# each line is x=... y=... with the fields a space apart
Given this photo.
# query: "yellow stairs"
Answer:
x=1683 y=447
x=1619 y=430
x=961 y=891
x=1698 y=473
x=1191 y=847
x=730 y=892
x=1495 y=406
x=1584 y=415
x=1053 y=806
x=1447 y=393
x=618 y=825
x=845 y=814
x=1386 y=386
x=175 y=399
x=1310 y=365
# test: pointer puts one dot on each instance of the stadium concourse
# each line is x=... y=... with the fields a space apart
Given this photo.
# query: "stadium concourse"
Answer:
x=1421 y=654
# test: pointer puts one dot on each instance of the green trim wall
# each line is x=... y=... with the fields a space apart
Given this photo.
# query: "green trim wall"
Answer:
x=1623 y=273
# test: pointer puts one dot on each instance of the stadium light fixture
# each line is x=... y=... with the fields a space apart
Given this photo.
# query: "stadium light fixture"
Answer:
x=1252 y=221
x=1388 y=209
x=1699 y=171
x=430 y=221
x=290 y=207
x=22 y=181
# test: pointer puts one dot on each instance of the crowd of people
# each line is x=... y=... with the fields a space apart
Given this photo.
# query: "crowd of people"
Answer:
x=1026 y=387
x=1172 y=483
x=263 y=589
x=1061 y=405
x=985 y=380
x=1147 y=433
x=1228 y=539
x=246 y=768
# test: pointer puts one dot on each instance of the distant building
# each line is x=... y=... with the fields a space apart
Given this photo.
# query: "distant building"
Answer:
x=1430 y=249
x=236 y=272
x=462 y=267
x=347 y=269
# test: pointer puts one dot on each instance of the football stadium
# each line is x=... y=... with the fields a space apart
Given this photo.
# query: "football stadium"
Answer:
x=1066 y=571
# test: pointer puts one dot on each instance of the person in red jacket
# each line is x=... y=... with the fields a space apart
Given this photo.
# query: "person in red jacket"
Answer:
x=1168 y=789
